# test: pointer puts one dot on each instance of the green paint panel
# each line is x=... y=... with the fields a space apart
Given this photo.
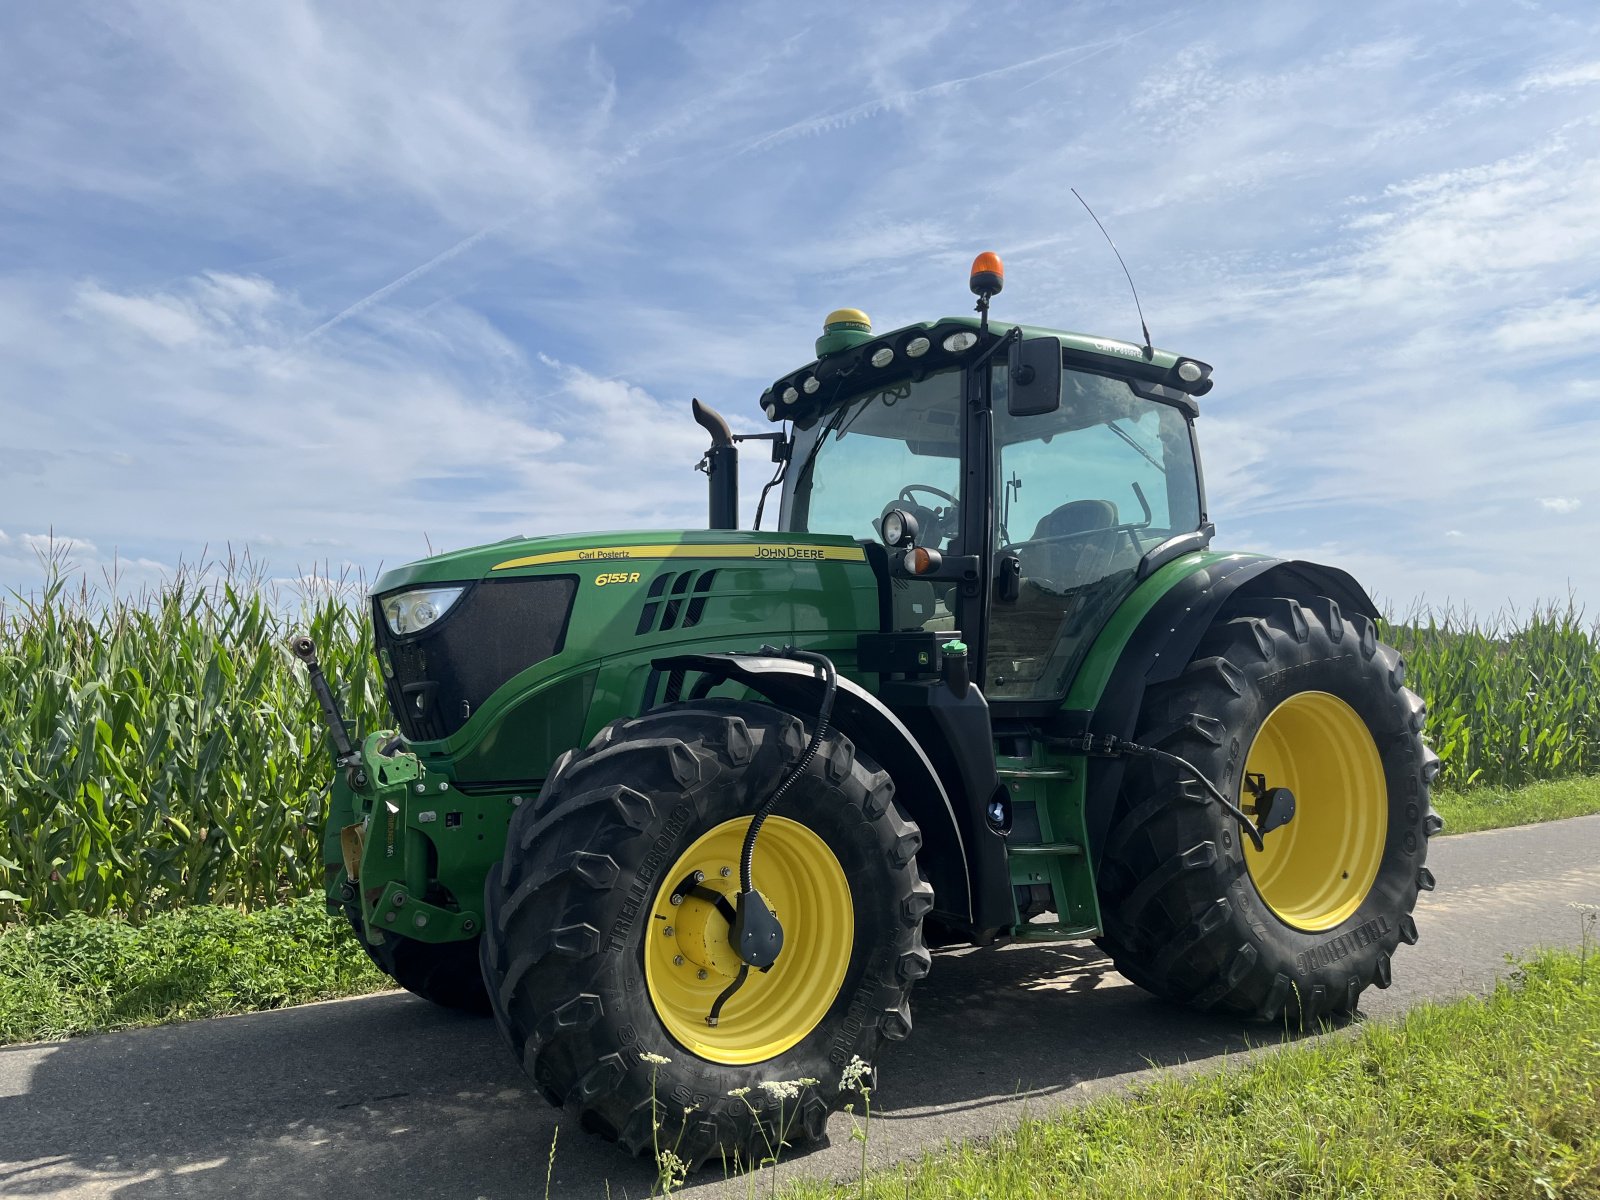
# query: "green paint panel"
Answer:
x=1058 y=783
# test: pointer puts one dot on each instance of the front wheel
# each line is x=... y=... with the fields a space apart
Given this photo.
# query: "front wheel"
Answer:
x=607 y=944
x=1280 y=695
x=445 y=973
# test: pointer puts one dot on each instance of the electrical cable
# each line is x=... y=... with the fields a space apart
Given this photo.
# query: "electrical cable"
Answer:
x=824 y=715
x=748 y=850
x=1113 y=747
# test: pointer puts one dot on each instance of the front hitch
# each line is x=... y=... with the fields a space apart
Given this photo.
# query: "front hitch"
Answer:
x=383 y=827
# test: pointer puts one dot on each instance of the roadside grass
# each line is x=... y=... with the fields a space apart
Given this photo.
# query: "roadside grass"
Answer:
x=1490 y=1097
x=92 y=974
x=1499 y=807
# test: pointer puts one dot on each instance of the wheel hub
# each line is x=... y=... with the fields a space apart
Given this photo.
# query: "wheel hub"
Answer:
x=702 y=926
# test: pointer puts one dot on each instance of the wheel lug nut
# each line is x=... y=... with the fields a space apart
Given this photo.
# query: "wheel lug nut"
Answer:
x=726 y=871
x=677 y=960
x=699 y=876
x=703 y=973
x=677 y=900
x=668 y=931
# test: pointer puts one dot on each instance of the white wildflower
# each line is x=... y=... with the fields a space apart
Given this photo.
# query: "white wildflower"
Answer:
x=785 y=1089
x=670 y=1169
x=658 y=1059
x=857 y=1076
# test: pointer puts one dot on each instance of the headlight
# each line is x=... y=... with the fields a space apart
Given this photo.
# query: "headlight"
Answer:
x=957 y=342
x=409 y=612
x=917 y=347
x=898 y=527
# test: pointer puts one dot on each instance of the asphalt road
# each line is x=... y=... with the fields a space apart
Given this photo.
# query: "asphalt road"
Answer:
x=388 y=1096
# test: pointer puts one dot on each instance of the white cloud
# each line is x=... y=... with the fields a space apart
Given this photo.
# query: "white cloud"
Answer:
x=1561 y=504
x=51 y=544
x=1582 y=75
x=1569 y=322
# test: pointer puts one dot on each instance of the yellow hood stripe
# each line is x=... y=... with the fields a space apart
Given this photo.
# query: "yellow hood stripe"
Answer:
x=764 y=551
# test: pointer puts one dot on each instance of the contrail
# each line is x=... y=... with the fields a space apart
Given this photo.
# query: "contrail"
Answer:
x=842 y=118
x=389 y=289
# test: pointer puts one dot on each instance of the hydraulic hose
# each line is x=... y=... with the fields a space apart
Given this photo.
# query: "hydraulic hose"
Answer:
x=1113 y=747
x=756 y=935
x=824 y=715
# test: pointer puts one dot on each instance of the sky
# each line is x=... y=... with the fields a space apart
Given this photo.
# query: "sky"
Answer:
x=337 y=283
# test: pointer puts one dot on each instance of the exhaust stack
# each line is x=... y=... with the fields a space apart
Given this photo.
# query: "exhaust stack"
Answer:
x=721 y=465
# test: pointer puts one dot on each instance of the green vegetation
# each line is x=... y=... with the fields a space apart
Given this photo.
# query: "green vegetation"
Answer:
x=160 y=751
x=88 y=974
x=1482 y=1098
x=1499 y=807
x=1509 y=701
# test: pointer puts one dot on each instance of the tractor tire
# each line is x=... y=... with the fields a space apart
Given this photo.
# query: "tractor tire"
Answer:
x=1300 y=696
x=592 y=967
x=445 y=973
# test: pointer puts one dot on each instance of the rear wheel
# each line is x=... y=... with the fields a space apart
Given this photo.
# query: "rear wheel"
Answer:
x=1281 y=695
x=609 y=920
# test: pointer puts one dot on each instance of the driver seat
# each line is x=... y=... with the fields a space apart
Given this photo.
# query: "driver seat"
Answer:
x=1073 y=561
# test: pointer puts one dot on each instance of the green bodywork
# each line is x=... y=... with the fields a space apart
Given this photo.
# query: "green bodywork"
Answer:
x=422 y=822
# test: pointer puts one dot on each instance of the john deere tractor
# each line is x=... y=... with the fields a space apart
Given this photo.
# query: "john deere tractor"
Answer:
x=709 y=796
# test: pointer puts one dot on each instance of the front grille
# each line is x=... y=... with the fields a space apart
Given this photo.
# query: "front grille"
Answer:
x=438 y=678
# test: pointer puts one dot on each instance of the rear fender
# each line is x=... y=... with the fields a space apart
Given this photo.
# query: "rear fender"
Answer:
x=1161 y=645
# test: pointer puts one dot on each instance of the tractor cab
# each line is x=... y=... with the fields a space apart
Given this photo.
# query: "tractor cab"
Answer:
x=1020 y=481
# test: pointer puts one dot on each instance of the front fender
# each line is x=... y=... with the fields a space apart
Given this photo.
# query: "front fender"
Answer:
x=953 y=859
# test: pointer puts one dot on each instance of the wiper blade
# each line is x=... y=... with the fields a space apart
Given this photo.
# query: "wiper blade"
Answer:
x=1128 y=437
x=832 y=427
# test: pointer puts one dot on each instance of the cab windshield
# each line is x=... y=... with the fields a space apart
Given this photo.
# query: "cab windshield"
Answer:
x=897 y=446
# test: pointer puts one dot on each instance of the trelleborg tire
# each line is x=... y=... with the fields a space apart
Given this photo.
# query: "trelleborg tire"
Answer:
x=591 y=965
x=1297 y=695
x=446 y=973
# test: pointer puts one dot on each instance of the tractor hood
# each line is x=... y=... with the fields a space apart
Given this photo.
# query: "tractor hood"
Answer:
x=489 y=651
x=610 y=553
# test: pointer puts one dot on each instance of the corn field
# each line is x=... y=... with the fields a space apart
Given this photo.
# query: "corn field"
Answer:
x=163 y=750
x=1509 y=701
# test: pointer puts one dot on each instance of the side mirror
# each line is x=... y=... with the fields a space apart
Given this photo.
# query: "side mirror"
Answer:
x=1034 y=372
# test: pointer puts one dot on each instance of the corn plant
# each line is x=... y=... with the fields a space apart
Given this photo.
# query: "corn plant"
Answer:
x=162 y=750
x=1510 y=701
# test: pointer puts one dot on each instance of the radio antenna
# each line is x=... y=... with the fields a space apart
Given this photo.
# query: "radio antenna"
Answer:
x=1149 y=347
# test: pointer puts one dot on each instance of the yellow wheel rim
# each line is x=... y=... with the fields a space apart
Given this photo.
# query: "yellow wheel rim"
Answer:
x=688 y=960
x=1317 y=869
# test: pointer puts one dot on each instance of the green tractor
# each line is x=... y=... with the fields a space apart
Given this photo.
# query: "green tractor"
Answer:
x=709 y=796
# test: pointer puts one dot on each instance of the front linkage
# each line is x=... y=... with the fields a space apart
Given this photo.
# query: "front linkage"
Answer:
x=394 y=834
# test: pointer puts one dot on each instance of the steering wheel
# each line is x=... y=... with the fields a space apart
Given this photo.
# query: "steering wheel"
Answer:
x=936 y=527
x=905 y=493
